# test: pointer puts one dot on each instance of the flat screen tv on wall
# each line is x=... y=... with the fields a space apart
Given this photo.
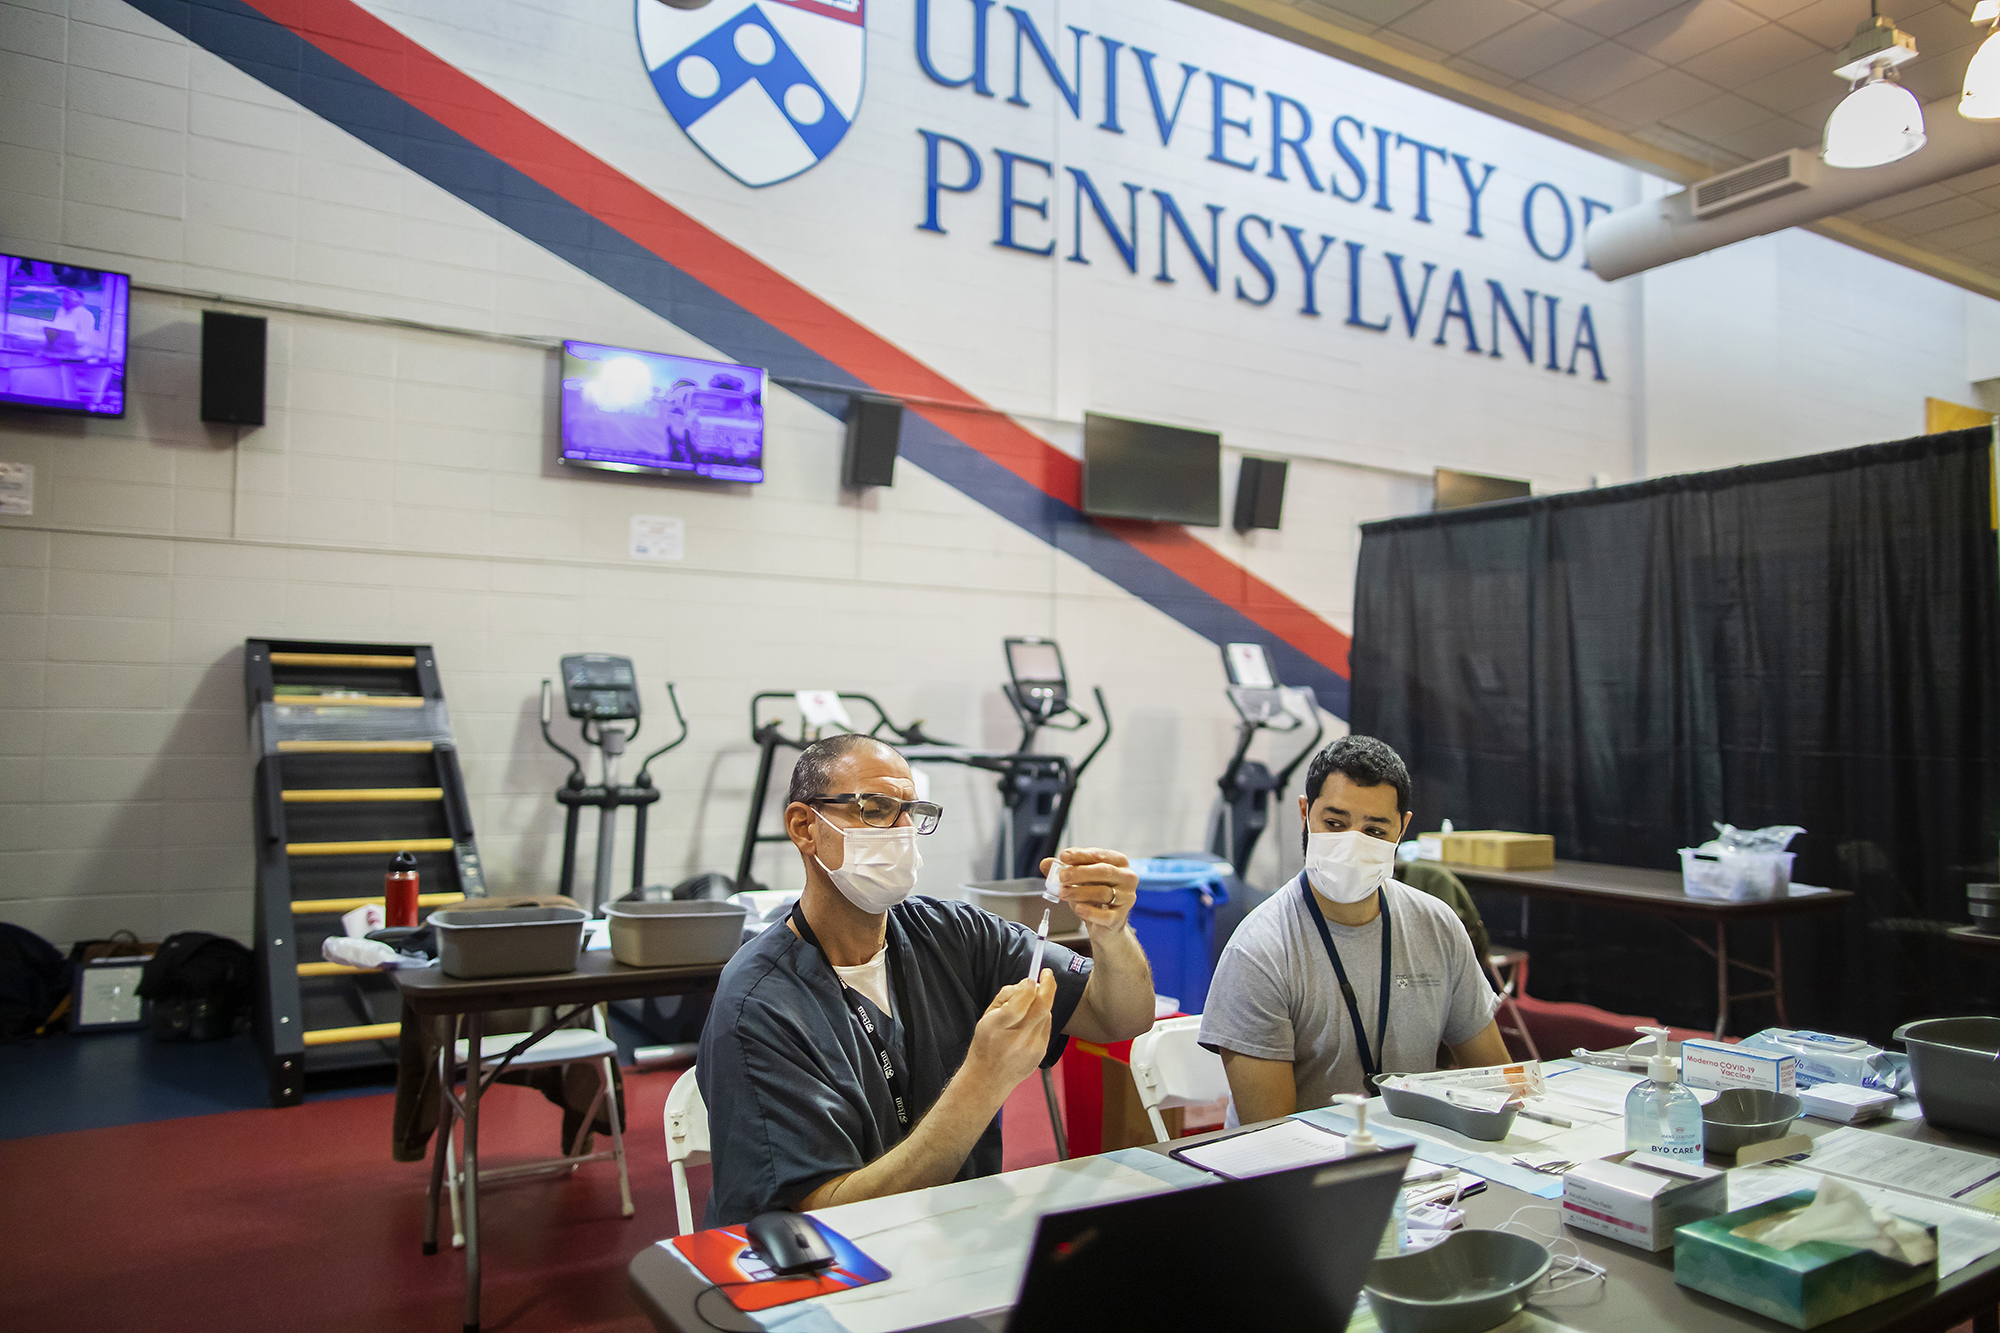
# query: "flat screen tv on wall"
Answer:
x=62 y=336
x=630 y=411
x=1139 y=469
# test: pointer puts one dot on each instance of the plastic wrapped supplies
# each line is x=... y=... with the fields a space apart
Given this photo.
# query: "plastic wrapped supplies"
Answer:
x=1824 y=1058
x=1740 y=864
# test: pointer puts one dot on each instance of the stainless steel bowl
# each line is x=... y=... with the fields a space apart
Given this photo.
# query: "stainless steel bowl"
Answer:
x=1467 y=1283
x=1743 y=1116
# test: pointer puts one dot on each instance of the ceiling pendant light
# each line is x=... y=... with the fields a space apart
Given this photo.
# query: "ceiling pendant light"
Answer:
x=1982 y=77
x=1879 y=121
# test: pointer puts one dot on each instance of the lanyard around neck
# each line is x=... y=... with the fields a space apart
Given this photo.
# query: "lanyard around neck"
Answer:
x=1369 y=1066
x=864 y=1014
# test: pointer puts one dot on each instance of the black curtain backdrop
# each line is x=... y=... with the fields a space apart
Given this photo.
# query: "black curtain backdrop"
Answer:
x=1804 y=642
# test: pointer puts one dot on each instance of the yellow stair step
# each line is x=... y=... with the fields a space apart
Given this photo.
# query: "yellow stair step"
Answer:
x=354 y=747
x=335 y=906
x=364 y=848
x=332 y=795
x=365 y=1032
x=340 y=660
x=350 y=700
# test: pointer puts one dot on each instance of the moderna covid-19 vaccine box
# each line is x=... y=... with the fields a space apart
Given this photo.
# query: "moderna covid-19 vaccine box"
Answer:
x=1719 y=1065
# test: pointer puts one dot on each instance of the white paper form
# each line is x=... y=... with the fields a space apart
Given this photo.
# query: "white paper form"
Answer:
x=1262 y=1151
x=1441 y=1147
x=960 y=1249
x=1963 y=1235
x=1927 y=1169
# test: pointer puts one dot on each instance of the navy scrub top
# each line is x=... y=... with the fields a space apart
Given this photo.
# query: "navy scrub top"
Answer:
x=793 y=1092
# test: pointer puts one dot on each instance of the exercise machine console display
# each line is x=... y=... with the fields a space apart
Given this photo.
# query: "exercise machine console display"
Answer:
x=1243 y=807
x=601 y=689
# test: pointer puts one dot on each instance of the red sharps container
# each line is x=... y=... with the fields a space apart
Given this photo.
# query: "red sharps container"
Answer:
x=400 y=889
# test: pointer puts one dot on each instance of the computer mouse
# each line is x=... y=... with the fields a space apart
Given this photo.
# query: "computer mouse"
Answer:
x=789 y=1242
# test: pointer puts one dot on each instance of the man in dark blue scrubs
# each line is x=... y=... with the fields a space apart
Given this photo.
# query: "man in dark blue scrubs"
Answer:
x=863 y=1046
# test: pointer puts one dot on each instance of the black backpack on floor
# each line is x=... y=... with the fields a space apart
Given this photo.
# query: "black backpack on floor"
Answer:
x=34 y=980
x=200 y=985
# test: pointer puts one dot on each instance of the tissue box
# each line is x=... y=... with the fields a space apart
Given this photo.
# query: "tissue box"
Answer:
x=1640 y=1198
x=1719 y=1065
x=1501 y=851
x=1804 y=1286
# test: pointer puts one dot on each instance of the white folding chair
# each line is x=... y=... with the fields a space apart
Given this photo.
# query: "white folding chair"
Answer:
x=564 y=1046
x=1171 y=1068
x=687 y=1141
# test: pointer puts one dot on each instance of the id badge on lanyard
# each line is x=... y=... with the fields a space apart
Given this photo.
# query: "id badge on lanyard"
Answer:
x=1370 y=1065
x=864 y=1015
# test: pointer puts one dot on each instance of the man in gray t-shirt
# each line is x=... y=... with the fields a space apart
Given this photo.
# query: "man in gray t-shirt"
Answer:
x=1277 y=1012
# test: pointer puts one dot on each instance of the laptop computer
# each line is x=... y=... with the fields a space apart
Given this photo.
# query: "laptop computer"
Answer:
x=1286 y=1250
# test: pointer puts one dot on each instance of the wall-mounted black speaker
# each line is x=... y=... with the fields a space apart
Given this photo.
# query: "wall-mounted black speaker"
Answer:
x=1260 y=493
x=874 y=427
x=232 y=368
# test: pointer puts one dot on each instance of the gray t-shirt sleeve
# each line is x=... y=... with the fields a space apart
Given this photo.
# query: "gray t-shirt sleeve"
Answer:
x=1473 y=1002
x=1249 y=1003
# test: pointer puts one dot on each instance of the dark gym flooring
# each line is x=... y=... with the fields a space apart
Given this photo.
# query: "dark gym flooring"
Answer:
x=51 y=1085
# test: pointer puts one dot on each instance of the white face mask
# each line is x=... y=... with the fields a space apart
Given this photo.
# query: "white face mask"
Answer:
x=1349 y=866
x=878 y=866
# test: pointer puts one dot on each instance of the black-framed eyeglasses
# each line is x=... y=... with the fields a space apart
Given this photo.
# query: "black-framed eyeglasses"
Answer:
x=878 y=810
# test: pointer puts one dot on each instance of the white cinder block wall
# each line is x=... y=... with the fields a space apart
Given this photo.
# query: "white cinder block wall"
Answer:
x=404 y=487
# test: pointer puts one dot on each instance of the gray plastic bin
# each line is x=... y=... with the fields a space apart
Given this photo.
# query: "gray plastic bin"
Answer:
x=509 y=942
x=1021 y=900
x=674 y=934
x=1955 y=1063
x=1491 y=1126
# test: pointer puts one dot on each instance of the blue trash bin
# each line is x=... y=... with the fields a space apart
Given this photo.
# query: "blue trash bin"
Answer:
x=1174 y=919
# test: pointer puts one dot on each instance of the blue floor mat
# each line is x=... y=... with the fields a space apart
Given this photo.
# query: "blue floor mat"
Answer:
x=51 y=1085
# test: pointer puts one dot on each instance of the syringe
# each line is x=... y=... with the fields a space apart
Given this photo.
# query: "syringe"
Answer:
x=1050 y=891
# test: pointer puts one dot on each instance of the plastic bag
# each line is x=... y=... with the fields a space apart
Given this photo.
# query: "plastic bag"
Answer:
x=1773 y=839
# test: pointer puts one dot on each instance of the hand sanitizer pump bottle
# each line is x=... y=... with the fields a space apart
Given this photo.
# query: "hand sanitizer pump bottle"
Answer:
x=1661 y=1114
x=1396 y=1236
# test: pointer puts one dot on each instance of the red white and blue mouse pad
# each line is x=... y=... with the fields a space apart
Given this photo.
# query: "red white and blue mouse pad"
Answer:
x=724 y=1256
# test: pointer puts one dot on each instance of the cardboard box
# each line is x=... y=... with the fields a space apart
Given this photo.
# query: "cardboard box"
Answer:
x=1804 y=1286
x=1501 y=851
x=1719 y=1065
x=1640 y=1198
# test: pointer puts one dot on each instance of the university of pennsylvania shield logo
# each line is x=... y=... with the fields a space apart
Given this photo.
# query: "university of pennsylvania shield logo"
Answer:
x=765 y=88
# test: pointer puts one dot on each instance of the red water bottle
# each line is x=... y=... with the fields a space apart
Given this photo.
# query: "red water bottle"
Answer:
x=400 y=891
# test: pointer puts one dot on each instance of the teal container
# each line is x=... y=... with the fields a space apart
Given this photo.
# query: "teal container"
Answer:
x=1174 y=919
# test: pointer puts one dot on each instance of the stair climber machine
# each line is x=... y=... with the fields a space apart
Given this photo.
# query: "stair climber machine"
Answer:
x=602 y=691
x=1242 y=808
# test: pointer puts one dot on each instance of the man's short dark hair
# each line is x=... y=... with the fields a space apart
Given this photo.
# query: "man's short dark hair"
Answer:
x=813 y=774
x=1364 y=761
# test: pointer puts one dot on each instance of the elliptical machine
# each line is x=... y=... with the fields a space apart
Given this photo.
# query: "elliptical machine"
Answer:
x=1243 y=807
x=1037 y=790
x=599 y=689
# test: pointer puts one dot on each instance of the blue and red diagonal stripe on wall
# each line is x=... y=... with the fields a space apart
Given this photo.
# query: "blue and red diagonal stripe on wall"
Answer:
x=342 y=63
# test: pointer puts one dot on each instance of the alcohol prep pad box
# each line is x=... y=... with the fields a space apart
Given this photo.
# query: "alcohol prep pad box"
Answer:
x=1640 y=1197
x=1846 y=1104
x=1719 y=1065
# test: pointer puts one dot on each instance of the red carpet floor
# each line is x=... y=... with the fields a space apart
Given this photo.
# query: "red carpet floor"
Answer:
x=298 y=1219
